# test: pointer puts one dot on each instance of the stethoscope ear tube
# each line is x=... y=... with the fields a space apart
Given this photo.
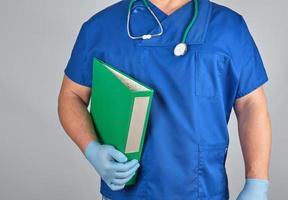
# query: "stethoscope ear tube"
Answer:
x=146 y=36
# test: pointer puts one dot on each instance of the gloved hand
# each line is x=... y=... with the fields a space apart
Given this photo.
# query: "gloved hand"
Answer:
x=254 y=189
x=111 y=164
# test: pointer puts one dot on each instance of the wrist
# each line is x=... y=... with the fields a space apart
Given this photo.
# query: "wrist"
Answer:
x=83 y=140
x=257 y=172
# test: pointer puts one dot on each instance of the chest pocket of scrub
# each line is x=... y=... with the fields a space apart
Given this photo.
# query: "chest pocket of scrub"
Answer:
x=207 y=71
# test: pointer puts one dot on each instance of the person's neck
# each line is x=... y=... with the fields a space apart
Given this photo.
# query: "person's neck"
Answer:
x=169 y=6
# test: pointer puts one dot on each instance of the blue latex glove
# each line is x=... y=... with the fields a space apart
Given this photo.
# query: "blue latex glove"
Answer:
x=254 y=189
x=111 y=164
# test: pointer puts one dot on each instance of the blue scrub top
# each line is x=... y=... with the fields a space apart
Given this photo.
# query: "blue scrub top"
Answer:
x=187 y=138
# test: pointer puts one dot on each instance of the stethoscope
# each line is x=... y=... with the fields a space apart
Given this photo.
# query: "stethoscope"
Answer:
x=181 y=48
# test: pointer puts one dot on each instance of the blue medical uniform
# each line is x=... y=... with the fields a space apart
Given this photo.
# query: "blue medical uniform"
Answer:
x=187 y=138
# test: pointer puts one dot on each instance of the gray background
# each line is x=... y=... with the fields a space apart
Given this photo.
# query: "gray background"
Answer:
x=38 y=160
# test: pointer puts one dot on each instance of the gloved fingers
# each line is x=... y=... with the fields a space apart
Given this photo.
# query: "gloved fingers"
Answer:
x=124 y=167
x=115 y=187
x=118 y=155
x=110 y=169
x=127 y=173
x=121 y=181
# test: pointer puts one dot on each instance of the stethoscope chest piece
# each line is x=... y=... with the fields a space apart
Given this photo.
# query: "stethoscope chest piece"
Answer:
x=180 y=49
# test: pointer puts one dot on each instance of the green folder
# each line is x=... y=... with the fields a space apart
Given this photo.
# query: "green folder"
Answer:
x=120 y=107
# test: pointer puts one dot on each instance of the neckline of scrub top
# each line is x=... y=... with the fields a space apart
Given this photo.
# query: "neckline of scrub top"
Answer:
x=152 y=5
x=158 y=12
x=174 y=25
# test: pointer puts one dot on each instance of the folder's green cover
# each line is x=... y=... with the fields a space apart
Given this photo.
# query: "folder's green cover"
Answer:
x=120 y=107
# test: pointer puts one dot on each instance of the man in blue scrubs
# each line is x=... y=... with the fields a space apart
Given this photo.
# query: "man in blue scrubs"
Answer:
x=187 y=137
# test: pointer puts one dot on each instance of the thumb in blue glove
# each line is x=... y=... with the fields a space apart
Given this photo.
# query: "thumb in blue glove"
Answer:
x=254 y=189
x=111 y=164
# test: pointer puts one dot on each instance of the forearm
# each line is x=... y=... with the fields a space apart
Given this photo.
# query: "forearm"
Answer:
x=255 y=137
x=76 y=120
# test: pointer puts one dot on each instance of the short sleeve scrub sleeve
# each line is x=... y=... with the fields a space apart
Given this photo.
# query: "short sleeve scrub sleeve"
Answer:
x=252 y=71
x=79 y=67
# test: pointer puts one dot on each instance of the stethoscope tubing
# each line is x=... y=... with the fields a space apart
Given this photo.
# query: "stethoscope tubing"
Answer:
x=181 y=48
